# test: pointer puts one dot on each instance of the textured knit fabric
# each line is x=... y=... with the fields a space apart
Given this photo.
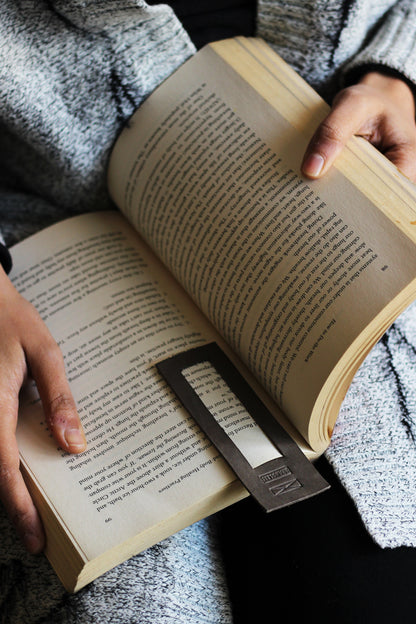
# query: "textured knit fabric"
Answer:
x=179 y=581
x=71 y=73
x=326 y=40
x=373 y=445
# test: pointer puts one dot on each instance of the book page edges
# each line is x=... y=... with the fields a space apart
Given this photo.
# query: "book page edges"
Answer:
x=329 y=401
x=75 y=572
x=72 y=566
x=62 y=550
x=225 y=497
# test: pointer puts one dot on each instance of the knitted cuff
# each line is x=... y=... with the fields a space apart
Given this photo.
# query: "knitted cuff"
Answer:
x=5 y=258
x=393 y=47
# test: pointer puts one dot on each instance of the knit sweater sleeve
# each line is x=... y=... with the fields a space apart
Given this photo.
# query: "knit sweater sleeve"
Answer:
x=71 y=73
x=392 y=45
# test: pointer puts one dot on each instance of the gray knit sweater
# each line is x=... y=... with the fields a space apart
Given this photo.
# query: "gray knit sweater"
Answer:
x=71 y=73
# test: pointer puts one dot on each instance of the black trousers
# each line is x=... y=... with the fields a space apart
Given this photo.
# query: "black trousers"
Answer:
x=209 y=20
x=314 y=560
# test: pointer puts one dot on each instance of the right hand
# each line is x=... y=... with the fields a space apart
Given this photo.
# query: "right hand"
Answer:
x=379 y=108
x=27 y=348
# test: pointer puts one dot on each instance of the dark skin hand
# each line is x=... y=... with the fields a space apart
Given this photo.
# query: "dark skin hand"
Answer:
x=27 y=345
x=379 y=108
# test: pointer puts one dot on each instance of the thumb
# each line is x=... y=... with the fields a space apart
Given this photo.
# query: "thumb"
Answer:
x=352 y=113
x=324 y=147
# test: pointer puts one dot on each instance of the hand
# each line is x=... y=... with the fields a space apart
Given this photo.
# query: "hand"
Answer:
x=26 y=346
x=379 y=108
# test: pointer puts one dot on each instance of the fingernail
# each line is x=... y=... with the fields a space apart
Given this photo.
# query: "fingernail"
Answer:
x=313 y=165
x=75 y=439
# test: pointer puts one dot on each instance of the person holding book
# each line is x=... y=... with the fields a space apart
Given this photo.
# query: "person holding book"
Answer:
x=56 y=139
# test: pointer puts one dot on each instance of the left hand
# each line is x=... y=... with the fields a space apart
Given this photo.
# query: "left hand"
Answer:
x=27 y=347
x=379 y=108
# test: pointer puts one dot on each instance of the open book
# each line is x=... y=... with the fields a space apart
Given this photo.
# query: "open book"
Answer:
x=293 y=280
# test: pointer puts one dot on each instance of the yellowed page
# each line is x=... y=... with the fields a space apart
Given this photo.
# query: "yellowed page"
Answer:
x=291 y=272
x=115 y=311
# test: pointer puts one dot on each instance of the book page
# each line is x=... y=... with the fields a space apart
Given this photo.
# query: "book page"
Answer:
x=290 y=271
x=115 y=311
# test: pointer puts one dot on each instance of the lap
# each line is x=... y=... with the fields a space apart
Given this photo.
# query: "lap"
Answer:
x=314 y=558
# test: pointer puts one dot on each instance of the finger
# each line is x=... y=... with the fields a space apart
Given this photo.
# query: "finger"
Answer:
x=47 y=369
x=403 y=155
x=351 y=114
x=13 y=491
